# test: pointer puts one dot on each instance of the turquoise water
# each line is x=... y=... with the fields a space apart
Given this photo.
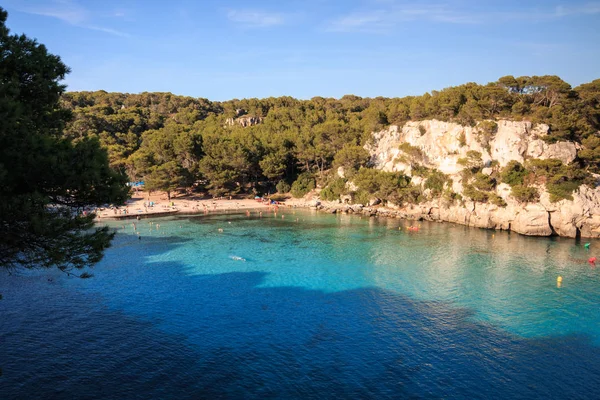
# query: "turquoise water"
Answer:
x=308 y=306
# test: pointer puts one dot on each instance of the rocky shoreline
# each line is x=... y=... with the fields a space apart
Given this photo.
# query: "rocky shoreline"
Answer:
x=441 y=146
x=529 y=220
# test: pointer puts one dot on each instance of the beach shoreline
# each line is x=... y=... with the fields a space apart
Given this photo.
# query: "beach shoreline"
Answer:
x=143 y=205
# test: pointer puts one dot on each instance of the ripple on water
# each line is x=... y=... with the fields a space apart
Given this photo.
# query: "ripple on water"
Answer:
x=328 y=307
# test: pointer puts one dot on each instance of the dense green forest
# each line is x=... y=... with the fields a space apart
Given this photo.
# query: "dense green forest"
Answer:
x=257 y=145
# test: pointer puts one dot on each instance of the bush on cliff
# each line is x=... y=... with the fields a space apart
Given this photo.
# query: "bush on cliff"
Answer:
x=472 y=162
x=484 y=182
x=514 y=173
x=497 y=200
x=436 y=181
x=475 y=195
x=561 y=180
x=525 y=194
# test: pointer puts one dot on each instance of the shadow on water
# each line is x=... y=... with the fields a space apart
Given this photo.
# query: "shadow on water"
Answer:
x=225 y=336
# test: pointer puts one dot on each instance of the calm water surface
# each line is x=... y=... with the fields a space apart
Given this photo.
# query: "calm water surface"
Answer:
x=309 y=306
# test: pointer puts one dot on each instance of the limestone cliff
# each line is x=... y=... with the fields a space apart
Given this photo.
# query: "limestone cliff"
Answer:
x=442 y=144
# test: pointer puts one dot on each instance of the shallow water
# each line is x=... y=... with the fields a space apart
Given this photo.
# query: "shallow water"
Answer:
x=309 y=306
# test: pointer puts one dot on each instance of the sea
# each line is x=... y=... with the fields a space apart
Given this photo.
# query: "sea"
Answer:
x=304 y=305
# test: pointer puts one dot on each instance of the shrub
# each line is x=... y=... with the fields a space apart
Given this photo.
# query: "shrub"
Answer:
x=486 y=130
x=411 y=151
x=525 y=194
x=366 y=180
x=488 y=127
x=409 y=194
x=497 y=200
x=462 y=139
x=562 y=191
x=513 y=174
x=283 y=187
x=561 y=180
x=484 y=182
x=362 y=197
x=384 y=185
x=545 y=168
x=436 y=181
x=304 y=184
x=475 y=194
x=390 y=184
x=451 y=196
x=422 y=130
x=334 y=190
x=472 y=161
x=421 y=171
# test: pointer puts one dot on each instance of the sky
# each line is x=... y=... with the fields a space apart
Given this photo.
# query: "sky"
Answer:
x=229 y=49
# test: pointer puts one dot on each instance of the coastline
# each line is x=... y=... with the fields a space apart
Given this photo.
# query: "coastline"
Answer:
x=529 y=223
x=137 y=206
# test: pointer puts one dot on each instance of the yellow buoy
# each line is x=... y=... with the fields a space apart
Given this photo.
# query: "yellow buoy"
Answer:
x=559 y=281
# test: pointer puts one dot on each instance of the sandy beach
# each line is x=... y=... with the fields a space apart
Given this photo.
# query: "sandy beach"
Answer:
x=143 y=205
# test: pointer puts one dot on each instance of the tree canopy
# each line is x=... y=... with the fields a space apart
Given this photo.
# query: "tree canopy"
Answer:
x=47 y=179
x=235 y=145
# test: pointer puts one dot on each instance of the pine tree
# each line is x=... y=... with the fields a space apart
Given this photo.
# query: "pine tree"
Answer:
x=46 y=180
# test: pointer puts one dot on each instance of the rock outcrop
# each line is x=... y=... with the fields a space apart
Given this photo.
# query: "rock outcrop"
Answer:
x=441 y=144
x=244 y=121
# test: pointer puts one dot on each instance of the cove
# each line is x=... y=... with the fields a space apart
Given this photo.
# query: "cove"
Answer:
x=307 y=306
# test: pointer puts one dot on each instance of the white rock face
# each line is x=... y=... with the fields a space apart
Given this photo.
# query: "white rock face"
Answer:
x=245 y=121
x=443 y=143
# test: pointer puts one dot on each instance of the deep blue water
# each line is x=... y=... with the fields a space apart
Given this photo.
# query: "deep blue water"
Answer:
x=309 y=306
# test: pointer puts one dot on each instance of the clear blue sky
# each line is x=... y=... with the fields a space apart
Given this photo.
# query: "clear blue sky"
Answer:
x=304 y=48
